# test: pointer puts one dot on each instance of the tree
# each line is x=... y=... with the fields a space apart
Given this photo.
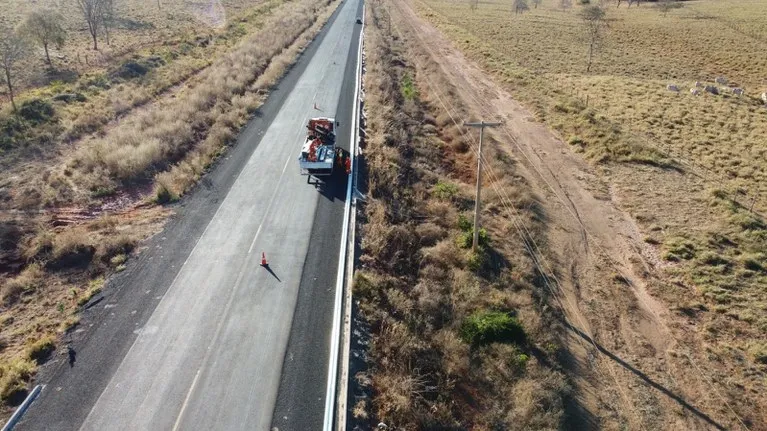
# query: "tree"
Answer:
x=93 y=12
x=520 y=6
x=12 y=49
x=594 y=22
x=45 y=29
x=473 y=4
x=565 y=4
x=536 y=3
x=107 y=16
x=664 y=6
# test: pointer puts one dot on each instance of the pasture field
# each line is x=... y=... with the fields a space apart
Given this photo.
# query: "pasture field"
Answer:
x=138 y=24
x=690 y=169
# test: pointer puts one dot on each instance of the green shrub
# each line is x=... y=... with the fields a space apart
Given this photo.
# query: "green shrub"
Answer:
x=445 y=191
x=409 y=91
x=118 y=259
x=477 y=260
x=464 y=223
x=679 y=249
x=754 y=262
x=714 y=259
x=36 y=110
x=518 y=361
x=466 y=238
x=363 y=286
x=484 y=327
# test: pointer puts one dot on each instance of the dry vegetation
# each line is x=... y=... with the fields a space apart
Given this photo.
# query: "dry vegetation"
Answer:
x=85 y=162
x=690 y=169
x=139 y=24
x=459 y=340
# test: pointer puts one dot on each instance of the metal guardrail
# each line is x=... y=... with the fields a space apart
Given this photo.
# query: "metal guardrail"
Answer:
x=16 y=417
x=335 y=338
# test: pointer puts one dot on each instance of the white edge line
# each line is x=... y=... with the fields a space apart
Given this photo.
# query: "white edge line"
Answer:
x=343 y=392
x=330 y=393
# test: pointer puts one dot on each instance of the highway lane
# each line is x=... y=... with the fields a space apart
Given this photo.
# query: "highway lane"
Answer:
x=309 y=338
x=210 y=356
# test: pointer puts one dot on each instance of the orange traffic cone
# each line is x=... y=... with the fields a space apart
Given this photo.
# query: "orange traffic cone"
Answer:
x=263 y=259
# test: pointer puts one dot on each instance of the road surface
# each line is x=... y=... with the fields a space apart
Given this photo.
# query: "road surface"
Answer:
x=209 y=328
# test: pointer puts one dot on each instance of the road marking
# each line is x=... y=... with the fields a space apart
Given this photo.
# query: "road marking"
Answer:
x=335 y=337
x=186 y=400
x=269 y=207
x=229 y=303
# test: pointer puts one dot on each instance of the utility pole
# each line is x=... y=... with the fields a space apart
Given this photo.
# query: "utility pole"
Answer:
x=481 y=126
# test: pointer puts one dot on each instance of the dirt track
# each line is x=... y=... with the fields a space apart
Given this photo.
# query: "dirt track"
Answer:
x=629 y=366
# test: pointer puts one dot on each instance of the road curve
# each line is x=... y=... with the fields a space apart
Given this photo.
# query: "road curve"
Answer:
x=211 y=354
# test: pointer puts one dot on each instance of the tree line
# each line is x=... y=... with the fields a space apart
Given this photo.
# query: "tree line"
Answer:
x=43 y=29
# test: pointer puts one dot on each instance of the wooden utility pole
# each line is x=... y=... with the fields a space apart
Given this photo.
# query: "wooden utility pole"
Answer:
x=481 y=126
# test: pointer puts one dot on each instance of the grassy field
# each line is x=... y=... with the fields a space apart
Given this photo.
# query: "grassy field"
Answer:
x=690 y=169
x=458 y=340
x=139 y=24
x=88 y=163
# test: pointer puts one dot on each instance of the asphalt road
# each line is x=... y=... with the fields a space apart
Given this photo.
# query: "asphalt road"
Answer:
x=195 y=334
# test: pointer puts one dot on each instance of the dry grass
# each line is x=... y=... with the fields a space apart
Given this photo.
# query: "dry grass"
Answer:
x=690 y=169
x=140 y=24
x=165 y=133
x=630 y=115
x=417 y=287
x=66 y=267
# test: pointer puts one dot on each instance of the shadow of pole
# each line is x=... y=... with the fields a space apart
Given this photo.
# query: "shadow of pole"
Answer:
x=687 y=406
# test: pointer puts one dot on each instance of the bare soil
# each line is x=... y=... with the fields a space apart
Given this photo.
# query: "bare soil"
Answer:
x=633 y=362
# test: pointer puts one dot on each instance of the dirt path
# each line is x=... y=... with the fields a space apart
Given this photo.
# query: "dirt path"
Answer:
x=626 y=363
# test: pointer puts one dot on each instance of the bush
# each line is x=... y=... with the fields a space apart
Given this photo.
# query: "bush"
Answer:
x=713 y=259
x=36 y=110
x=27 y=281
x=71 y=250
x=13 y=379
x=477 y=260
x=753 y=262
x=409 y=92
x=94 y=288
x=518 y=361
x=164 y=195
x=466 y=238
x=363 y=286
x=464 y=223
x=41 y=349
x=678 y=249
x=445 y=191
x=116 y=245
x=759 y=353
x=485 y=327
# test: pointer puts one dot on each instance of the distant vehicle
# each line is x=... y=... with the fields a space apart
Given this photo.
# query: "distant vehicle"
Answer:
x=318 y=153
x=359 y=20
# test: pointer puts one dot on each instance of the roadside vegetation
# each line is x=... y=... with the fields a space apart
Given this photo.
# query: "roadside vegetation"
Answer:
x=89 y=158
x=458 y=340
x=687 y=164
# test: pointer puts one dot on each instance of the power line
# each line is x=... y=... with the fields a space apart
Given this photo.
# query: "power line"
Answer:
x=610 y=261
